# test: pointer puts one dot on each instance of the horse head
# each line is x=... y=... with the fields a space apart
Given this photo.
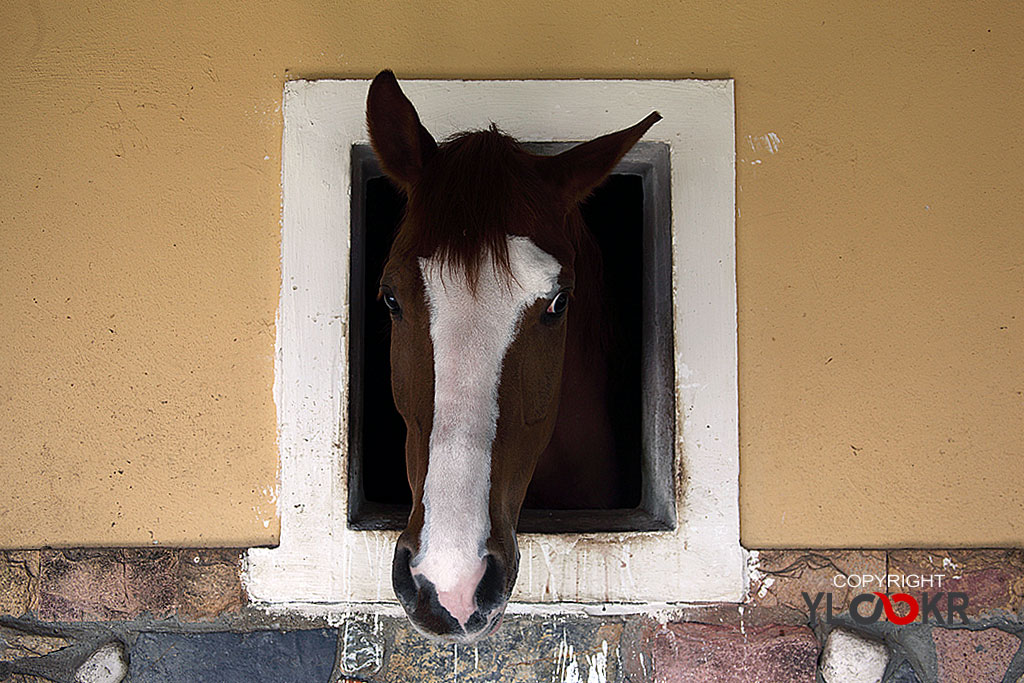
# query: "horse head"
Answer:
x=481 y=283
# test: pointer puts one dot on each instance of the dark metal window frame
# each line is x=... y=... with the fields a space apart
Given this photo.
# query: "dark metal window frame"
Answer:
x=657 y=508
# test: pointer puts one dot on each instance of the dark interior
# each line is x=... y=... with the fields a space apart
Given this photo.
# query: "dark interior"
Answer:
x=614 y=214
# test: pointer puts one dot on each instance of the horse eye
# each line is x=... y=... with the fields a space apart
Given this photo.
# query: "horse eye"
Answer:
x=390 y=301
x=559 y=303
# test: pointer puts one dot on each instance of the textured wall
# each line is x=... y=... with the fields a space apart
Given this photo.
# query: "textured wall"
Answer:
x=879 y=242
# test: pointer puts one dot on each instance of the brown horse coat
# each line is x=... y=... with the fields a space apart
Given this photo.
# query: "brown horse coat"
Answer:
x=499 y=379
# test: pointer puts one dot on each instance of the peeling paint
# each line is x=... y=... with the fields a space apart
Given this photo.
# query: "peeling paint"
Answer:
x=597 y=665
x=362 y=651
x=566 y=667
x=769 y=142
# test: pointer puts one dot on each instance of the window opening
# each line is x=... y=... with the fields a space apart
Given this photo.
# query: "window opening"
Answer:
x=629 y=216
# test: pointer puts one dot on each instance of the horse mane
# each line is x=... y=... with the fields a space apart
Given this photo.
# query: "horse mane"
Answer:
x=480 y=186
x=477 y=187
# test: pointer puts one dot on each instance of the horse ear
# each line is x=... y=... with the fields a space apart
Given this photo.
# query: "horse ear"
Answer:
x=580 y=169
x=400 y=141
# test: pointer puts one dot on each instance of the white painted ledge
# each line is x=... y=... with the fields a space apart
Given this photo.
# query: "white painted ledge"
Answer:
x=321 y=565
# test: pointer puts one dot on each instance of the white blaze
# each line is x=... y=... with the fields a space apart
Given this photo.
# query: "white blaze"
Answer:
x=471 y=334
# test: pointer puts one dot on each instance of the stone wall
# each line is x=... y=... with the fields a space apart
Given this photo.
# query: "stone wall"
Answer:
x=162 y=614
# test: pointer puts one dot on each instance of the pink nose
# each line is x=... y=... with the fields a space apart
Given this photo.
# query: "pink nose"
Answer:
x=462 y=608
x=459 y=600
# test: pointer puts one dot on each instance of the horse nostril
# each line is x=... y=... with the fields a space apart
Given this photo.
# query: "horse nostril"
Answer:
x=490 y=593
x=489 y=598
x=401 y=577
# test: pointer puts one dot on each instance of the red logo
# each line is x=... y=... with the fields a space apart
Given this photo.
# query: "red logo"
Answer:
x=890 y=612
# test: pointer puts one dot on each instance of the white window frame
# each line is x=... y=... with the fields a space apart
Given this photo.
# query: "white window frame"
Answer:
x=321 y=565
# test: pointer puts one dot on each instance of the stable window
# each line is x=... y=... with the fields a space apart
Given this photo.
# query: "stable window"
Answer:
x=630 y=217
x=680 y=543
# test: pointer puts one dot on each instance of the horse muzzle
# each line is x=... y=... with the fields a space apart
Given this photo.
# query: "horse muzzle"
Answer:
x=468 y=612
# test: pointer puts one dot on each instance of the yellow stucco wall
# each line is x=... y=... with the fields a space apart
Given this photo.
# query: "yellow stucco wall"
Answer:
x=879 y=240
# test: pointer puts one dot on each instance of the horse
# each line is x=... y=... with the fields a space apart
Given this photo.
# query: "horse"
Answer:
x=498 y=367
